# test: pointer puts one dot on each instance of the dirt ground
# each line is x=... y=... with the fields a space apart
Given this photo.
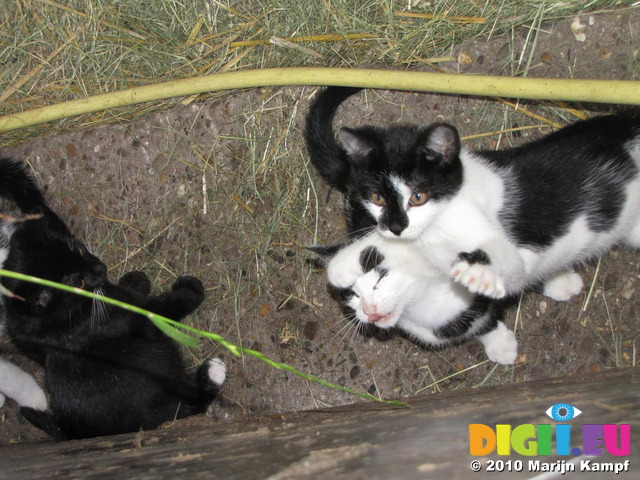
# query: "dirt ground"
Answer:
x=222 y=189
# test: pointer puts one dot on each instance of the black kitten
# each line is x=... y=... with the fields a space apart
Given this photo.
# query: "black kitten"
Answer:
x=107 y=370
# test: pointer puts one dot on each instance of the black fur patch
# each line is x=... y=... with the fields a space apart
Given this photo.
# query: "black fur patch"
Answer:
x=370 y=258
x=475 y=257
x=458 y=328
x=582 y=169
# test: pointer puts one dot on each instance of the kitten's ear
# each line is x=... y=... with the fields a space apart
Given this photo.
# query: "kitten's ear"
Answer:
x=441 y=143
x=325 y=252
x=356 y=145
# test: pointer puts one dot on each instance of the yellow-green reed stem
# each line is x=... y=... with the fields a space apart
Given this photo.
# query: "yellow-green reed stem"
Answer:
x=171 y=328
x=604 y=91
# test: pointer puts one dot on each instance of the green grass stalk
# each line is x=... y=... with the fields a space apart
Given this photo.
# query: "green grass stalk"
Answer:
x=173 y=329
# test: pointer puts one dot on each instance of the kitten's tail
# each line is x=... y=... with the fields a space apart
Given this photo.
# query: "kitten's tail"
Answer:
x=326 y=154
x=18 y=186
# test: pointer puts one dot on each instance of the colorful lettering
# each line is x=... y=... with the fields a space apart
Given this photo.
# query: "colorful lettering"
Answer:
x=533 y=440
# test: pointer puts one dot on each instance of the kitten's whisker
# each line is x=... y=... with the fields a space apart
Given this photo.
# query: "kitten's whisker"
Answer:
x=99 y=312
x=347 y=325
x=362 y=232
x=355 y=333
x=348 y=333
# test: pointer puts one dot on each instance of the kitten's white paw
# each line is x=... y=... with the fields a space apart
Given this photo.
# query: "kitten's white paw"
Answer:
x=2 y=399
x=563 y=286
x=217 y=371
x=343 y=274
x=37 y=400
x=479 y=278
x=500 y=345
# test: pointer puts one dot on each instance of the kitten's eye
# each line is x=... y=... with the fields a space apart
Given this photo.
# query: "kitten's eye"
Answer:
x=377 y=199
x=418 y=199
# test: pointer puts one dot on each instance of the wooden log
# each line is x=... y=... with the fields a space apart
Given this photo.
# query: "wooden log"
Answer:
x=366 y=440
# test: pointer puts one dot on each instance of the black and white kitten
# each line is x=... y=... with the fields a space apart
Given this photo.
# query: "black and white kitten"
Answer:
x=389 y=285
x=498 y=222
x=107 y=370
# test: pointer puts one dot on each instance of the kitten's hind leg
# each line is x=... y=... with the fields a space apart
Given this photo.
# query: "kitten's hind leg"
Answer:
x=563 y=286
x=500 y=344
x=45 y=422
x=185 y=296
x=216 y=371
x=209 y=379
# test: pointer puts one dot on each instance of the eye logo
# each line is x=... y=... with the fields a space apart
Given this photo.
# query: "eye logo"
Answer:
x=562 y=412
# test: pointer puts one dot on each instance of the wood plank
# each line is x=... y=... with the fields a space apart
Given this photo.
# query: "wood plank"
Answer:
x=366 y=440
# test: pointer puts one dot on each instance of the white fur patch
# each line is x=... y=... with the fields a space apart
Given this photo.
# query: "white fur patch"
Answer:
x=4 y=253
x=21 y=387
x=479 y=278
x=217 y=371
x=500 y=345
x=563 y=286
x=344 y=268
x=6 y=231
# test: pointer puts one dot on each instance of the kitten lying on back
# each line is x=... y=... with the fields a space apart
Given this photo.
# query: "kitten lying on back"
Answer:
x=389 y=285
x=497 y=222
x=107 y=370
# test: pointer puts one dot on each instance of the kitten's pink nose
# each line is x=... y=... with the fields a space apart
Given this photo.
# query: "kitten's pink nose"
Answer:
x=375 y=317
x=372 y=313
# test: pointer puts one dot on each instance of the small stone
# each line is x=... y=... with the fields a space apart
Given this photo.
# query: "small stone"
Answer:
x=71 y=149
x=604 y=53
x=578 y=28
x=310 y=330
x=464 y=58
x=520 y=359
x=628 y=289
x=542 y=307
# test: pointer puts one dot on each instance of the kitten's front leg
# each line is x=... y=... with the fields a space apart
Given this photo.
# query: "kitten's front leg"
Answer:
x=345 y=267
x=475 y=271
